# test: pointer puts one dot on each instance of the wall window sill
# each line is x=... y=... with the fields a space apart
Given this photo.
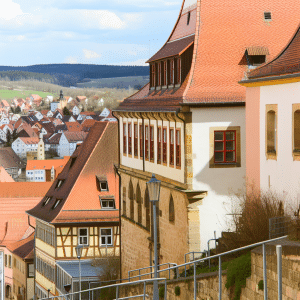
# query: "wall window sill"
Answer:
x=225 y=165
x=271 y=155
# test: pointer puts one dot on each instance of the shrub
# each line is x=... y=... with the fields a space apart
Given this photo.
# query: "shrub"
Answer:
x=261 y=285
x=177 y=290
x=237 y=272
x=161 y=292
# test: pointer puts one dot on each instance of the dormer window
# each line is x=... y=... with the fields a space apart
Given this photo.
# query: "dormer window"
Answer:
x=46 y=201
x=57 y=202
x=254 y=56
x=267 y=16
x=73 y=159
x=59 y=183
x=188 y=18
x=107 y=204
x=101 y=182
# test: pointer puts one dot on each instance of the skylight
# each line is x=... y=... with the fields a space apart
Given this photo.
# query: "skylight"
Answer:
x=267 y=16
x=46 y=201
x=57 y=202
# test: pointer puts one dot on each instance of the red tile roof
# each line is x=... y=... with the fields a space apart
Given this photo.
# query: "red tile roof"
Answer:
x=287 y=62
x=46 y=164
x=75 y=136
x=5 y=103
x=78 y=193
x=73 y=126
x=29 y=140
x=4 y=176
x=88 y=113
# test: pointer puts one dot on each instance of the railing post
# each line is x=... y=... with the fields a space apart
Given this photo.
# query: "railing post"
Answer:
x=144 y=297
x=169 y=273
x=166 y=290
x=265 y=272
x=279 y=270
x=128 y=276
x=185 y=265
x=117 y=293
x=220 y=277
x=140 y=274
x=195 y=283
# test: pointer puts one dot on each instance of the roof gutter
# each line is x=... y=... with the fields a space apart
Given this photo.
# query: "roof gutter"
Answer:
x=212 y=104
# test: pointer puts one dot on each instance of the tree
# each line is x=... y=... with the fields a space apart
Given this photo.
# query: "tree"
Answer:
x=8 y=139
x=66 y=111
x=17 y=110
x=14 y=135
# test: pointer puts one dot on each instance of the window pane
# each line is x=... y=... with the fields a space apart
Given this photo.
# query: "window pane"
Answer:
x=219 y=145
x=103 y=240
x=105 y=231
x=230 y=145
x=85 y=240
x=109 y=240
x=230 y=135
x=83 y=231
x=219 y=156
x=218 y=136
x=230 y=156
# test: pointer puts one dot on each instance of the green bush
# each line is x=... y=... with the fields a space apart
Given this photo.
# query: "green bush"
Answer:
x=177 y=290
x=237 y=272
x=261 y=285
x=161 y=292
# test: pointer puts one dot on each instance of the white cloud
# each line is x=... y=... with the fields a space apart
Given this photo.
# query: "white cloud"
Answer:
x=89 y=54
x=9 y=10
x=71 y=60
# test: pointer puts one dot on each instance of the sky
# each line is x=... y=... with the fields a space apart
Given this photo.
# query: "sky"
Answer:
x=114 y=32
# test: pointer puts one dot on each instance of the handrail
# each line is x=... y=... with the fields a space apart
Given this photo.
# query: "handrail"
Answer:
x=117 y=288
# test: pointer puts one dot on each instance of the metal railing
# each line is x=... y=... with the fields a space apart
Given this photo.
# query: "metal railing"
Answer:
x=193 y=252
x=151 y=272
x=117 y=287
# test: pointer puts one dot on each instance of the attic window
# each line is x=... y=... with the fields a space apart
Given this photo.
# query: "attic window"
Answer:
x=46 y=201
x=101 y=182
x=59 y=183
x=73 y=159
x=188 y=18
x=107 y=204
x=267 y=16
x=58 y=201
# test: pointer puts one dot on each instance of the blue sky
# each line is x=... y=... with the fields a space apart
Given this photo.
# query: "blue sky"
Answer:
x=125 y=32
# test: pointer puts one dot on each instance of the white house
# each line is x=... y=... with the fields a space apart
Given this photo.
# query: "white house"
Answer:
x=49 y=114
x=4 y=120
x=273 y=125
x=76 y=110
x=38 y=115
x=22 y=145
x=54 y=105
x=69 y=141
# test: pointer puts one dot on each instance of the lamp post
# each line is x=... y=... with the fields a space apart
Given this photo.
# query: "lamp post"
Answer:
x=154 y=191
x=79 y=253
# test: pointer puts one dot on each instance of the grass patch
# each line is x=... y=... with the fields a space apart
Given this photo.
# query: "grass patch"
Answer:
x=10 y=94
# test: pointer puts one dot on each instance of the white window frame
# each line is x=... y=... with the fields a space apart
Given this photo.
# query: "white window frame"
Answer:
x=108 y=207
x=87 y=236
x=106 y=236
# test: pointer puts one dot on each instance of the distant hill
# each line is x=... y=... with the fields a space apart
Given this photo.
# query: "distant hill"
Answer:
x=71 y=74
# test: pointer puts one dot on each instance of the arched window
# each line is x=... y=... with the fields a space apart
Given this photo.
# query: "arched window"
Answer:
x=139 y=203
x=297 y=131
x=124 y=201
x=271 y=131
x=7 y=291
x=147 y=206
x=171 y=210
x=130 y=191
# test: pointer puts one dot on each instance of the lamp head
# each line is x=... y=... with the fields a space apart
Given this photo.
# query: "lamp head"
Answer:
x=78 y=250
x=154 y=188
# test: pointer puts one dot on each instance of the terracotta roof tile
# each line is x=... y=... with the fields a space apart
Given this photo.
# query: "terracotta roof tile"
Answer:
x=29 y=140
x=46 y=164
x=73 y=126
x=23 y=189
x=23 y=248
x=9 y=159
x=75 y=136
x=4 y=176
x=96 y=156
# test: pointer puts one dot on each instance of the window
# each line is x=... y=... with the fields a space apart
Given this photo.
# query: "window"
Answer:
x=164 y=65
x=59 y=183
x=141 y=141
x=124 y=139
x=101 y=183
x=171 y=72
x=159 y=74
x=147 y=206
x=267 y=16
x=124 y=201
x=6 y=260
x=296 y=131
x=165 y=145
x=106 y=237
x=130 y=191
x=30 y=270
x=83 y=236
x=139 y=203
x=171 y=210
x=46 y=201
x=107 y=204
x=225 y=148
x=151 y=143
x=135 y=143
x=73 y=159
x=146 y=142
x=159 y=145
x=129 y=139
x=178 y=70
x=57 y=202
x=153 y=77
x=178 y=148
x=171 y=146
x=271 y=131
x=188 y=18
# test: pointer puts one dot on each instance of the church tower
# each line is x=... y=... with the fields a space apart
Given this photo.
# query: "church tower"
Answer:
x=41 y=148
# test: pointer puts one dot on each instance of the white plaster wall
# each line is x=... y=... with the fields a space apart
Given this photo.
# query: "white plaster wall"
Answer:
x=137 y=163
x=220 y=183
x=284 y=172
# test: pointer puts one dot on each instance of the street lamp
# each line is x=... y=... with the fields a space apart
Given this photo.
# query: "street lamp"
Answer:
x=153 y=186
x=79 y=253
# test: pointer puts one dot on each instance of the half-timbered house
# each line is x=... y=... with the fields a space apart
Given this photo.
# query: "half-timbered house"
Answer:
x=187 y=125
x=80 y=208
